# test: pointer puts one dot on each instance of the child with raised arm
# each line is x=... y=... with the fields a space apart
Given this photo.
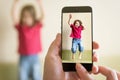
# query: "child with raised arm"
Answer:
x=77 y=28
x=29 y=34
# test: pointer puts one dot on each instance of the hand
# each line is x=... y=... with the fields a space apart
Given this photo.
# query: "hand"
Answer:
x=70 y=16
x=110 y=74
x=53 y=65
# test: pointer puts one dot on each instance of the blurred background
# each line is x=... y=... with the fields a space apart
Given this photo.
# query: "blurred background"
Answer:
x=106 y=27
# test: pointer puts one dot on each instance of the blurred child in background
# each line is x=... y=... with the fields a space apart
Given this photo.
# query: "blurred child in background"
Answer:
x=29 y=34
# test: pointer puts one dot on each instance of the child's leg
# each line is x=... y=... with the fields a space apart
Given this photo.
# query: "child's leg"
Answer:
x=74 y=48
x=73 y=56
x=80 y=49
x=80 y=55
x=24 y=68
x=36 y=68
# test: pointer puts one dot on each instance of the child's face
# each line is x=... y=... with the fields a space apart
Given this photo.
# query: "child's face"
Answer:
x=77 y=24
x=27 y=18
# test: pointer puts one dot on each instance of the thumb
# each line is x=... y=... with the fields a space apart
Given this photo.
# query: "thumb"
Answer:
x=82 y=72
x=55 y=46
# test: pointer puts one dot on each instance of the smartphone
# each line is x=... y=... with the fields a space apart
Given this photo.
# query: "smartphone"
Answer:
x=77 y=37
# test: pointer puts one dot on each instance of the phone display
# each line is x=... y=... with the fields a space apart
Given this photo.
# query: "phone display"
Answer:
x=76 y=37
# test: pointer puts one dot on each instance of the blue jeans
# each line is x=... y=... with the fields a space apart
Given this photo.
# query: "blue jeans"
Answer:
x=76 y=43
x=29 y=68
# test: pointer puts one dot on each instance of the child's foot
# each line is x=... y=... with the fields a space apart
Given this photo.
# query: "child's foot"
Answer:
x=80 y=56
x=73 y=56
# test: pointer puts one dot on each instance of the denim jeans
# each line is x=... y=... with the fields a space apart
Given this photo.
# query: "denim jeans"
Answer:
x=77 y=43
x=29 y=68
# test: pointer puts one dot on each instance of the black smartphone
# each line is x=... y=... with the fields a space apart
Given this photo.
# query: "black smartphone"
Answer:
x=77 y=37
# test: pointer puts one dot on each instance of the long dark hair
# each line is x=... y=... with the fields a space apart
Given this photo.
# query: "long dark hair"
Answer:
x=32 y=12
x=80 y=22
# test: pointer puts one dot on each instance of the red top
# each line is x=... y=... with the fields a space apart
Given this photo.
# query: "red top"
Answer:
x=29 y=39
x=76 y=31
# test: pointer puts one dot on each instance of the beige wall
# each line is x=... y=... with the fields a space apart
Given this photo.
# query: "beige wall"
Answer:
x=106 y=18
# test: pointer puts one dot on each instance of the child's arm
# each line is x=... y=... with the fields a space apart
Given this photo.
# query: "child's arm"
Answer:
x=15 y=20
x=42 y=11
x=70 y=16
x=83 y=28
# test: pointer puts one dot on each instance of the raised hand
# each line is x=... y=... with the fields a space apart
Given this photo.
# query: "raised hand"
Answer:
x=70 y=16
x=13 y=10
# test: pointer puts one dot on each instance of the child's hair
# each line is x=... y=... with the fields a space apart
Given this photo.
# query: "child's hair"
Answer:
x=31 y=10
x=80 y=22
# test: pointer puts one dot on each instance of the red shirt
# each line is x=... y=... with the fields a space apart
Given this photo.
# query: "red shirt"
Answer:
x=76 y=31
x=29 y=39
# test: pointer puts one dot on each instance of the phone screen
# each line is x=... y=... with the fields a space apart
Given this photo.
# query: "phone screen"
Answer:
x=76 y=36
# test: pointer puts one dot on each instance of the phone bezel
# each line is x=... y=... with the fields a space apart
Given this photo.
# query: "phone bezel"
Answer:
x=75 y=9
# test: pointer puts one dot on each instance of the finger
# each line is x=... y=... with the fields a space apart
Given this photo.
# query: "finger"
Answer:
x=53 y=63
x=109 y=73
x=58 y=40
x=58 y=44
x=95 y=57
x=118 y=74
x=55 y=46
x=82 y=72
x=95 y=69
x=71 y=76
x=95 y=45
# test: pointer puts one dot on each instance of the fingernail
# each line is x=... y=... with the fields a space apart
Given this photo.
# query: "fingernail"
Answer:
x=95 y=69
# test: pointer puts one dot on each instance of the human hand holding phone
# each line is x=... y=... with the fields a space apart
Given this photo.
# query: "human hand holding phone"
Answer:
x=53 y=66
x=53 y=69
